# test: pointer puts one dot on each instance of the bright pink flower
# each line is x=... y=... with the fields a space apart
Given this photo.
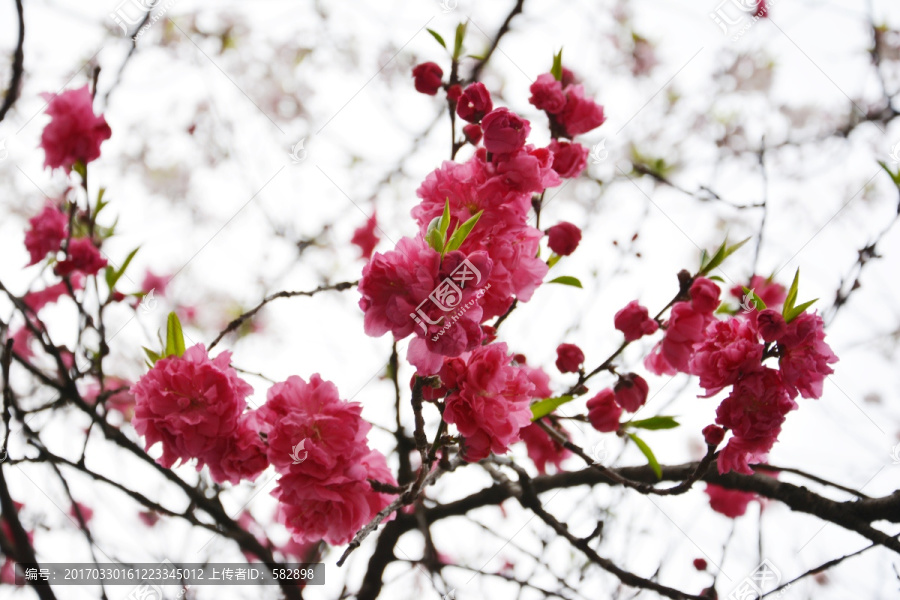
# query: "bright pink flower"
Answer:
x=604 y=412
x=705 y=295
x=634 y=321
x=242 y=456
x=48 y=230
x=427 y=78
x=631 y=392
x=580 y=114
x=754 y=411
x=539 y=379
x=569 y=358
x=333 y=508
x=40 y=298
x=569 y=159
x=713 y=435
x=189 y=404
x=731 y=503
x=82 y=256
x=805 y=355
x=74 y=132
x=309 y=429
x=730 y=351
x=770 y=324
x=504 y=131
x=771 y=293
x=155 y=283
x=473 y=133
x=563 y=238
x=547 y=94
x=490 y=405
x=542 y=449
x=365 y=237
x=686 y=327
x=474 y=103
x=519 y=174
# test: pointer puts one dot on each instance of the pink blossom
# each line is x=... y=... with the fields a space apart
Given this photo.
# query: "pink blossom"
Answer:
x=631 y=392
x=771 y=293
x=38 y=299
x=547 y=94
x=713 y=435
x=542 y=449
x=569 y=159
x=569 y=358
x=731 y=503
x=474 y=103
x=242 y=456
x=22 y=338
x=730 y=350
x=603 y=412
x=333 y=507
x=48 y=230
x=739 y=453
x=517 y=175
x=454 y=92
x=490 y=403
x=580 y=114
x=504 y=131
x=705 y=295
x=189 y=404
x=310 y=421
x=563 y=238
x=427 y=78
x=74 y=132
x=365 y=237
x=686 y=327
x=473 y=133
x=770 y=324
x=805 y=355
x=155 y=283
x=82 y=256
x=634 y=321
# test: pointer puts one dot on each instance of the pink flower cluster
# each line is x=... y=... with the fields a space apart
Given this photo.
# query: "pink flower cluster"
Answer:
x=195 y=407
x=605 y=409
x=731 y=354
x=74 y=133
x=488 y=399
x=317 y=442
x=413 y=289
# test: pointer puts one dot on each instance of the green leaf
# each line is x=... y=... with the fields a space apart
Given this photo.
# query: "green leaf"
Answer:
x=458 y=42
x=100 y=203
x=462 y=232
x=433 y=235
x=438 y=37
x=554 y=258
x=556 y=69
x=642 y=445
x=654 y=423
x=895 y=177
x=724 y=251
x=566 y=280
x=798 y=310
x=153 y=356
x=758 y=303
x=717 y=278
x=174 y=336
x=113 y=279
x=542 y=408
x=80 y=168
x=445 y=219
x=791 y=298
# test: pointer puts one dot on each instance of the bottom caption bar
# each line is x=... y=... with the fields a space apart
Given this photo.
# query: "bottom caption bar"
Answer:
x=167 y=573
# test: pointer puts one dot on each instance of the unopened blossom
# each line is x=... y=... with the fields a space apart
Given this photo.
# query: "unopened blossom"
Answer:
x=427 y=78
x=634 y=321
x=603 y=411
x=563 y=238
x=569 y=358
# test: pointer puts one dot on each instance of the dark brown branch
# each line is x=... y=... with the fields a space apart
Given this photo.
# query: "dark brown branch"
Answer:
x=18 y=66
x=504 y=29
